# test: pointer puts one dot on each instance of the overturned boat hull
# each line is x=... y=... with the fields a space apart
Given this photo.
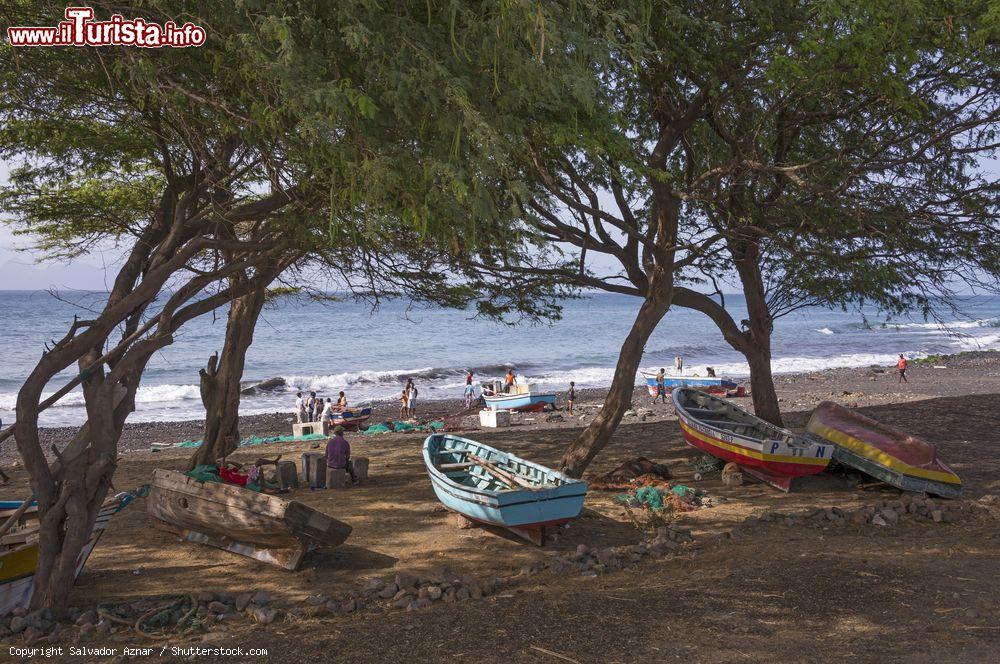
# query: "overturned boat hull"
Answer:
x=886 y=453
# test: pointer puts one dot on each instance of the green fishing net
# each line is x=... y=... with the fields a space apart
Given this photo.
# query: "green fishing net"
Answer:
x=257 y=440
x=402 y=427
x=648 y=496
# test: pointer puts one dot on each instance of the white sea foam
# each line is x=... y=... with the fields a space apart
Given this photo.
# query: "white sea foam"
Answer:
x=984 y=342
x=944 y=327
x=824 y=330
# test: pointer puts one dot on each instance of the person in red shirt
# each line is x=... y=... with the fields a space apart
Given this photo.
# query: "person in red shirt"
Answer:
x=901 y=365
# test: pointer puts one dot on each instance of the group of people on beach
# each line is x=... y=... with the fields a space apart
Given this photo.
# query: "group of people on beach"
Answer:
x=314 y=409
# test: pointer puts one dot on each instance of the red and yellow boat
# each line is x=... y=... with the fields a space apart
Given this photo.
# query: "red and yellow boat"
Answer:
x=885 y=453
x=772 y=454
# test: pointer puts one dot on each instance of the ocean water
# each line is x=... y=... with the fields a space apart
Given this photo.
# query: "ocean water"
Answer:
x=369 y=355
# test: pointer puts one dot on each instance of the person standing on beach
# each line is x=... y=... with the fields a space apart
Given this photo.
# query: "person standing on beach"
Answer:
x=468 y=376
x=403 y=405
x=327 y=410
x=679 y=365
x=470 y=395
x=661 y=385
x=510 y=381
x=411 y=399
x=300 y=409
x=570 y=396
x=312 y=407
x=901 y=366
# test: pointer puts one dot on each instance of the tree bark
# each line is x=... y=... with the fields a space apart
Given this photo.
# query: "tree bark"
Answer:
x=754 y=342
x=760 y=327
x=765 y=398
x=220 y=381
x=619 y=399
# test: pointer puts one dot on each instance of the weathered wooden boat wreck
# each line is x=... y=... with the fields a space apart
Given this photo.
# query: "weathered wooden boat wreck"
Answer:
x=884 y=452
x=490 y=486
x=252 y=524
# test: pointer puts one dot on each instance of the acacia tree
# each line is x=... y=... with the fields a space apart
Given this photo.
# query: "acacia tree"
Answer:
x=695 y=113
x=180 y=162
x=840 y=173
x=214 y=178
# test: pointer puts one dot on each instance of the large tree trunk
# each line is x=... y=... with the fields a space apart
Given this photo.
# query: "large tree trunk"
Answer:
x=760 y=327
x=596 y=436
x=220 y=381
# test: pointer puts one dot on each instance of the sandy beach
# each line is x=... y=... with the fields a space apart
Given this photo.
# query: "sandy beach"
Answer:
x=750 y=586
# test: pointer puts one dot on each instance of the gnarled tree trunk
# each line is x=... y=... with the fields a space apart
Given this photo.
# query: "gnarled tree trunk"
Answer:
x=757 y=350
x=619 y=399
x=754 y=342
x=220 y=381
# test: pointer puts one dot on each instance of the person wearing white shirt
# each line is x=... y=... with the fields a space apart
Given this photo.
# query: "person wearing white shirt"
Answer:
x=300 y=408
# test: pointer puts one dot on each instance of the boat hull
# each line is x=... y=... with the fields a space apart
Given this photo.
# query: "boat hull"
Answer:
x=556 y=500
x=351 y=419
x=777 y=461
x=709 y=385
x=241 y=521
x=884 y=452
x=17 y=566
x=521 y=402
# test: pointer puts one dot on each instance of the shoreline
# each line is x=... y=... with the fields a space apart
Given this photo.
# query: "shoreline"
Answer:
x=971 y=372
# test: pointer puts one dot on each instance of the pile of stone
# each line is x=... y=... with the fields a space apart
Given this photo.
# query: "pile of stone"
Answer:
x=591 y=562
x=412 y=592
x=641 y=414
x=33 y=628
x=216 y=610
x=885 y=513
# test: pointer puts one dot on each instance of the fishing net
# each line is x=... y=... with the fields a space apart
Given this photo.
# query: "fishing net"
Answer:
x=250 y=441
x=630 y=475
x=402 y=427
x=705 y=464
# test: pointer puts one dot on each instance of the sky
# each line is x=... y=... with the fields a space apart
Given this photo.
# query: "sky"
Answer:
x=19 y=270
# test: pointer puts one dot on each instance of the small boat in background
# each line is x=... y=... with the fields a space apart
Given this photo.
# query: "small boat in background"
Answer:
x=725 y=431
x=886 y=453
x=523 y=398
x=707 y=384
x=487 y=485
x=351 y=418
x=19 y=547
x=229 y=517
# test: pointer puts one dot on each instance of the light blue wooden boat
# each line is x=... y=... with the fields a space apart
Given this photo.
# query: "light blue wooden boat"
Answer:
x=467 y=487
x=523 y=401
x=707 y=384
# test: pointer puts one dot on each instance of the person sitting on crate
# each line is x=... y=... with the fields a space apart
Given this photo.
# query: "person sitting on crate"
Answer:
x=338 y=454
